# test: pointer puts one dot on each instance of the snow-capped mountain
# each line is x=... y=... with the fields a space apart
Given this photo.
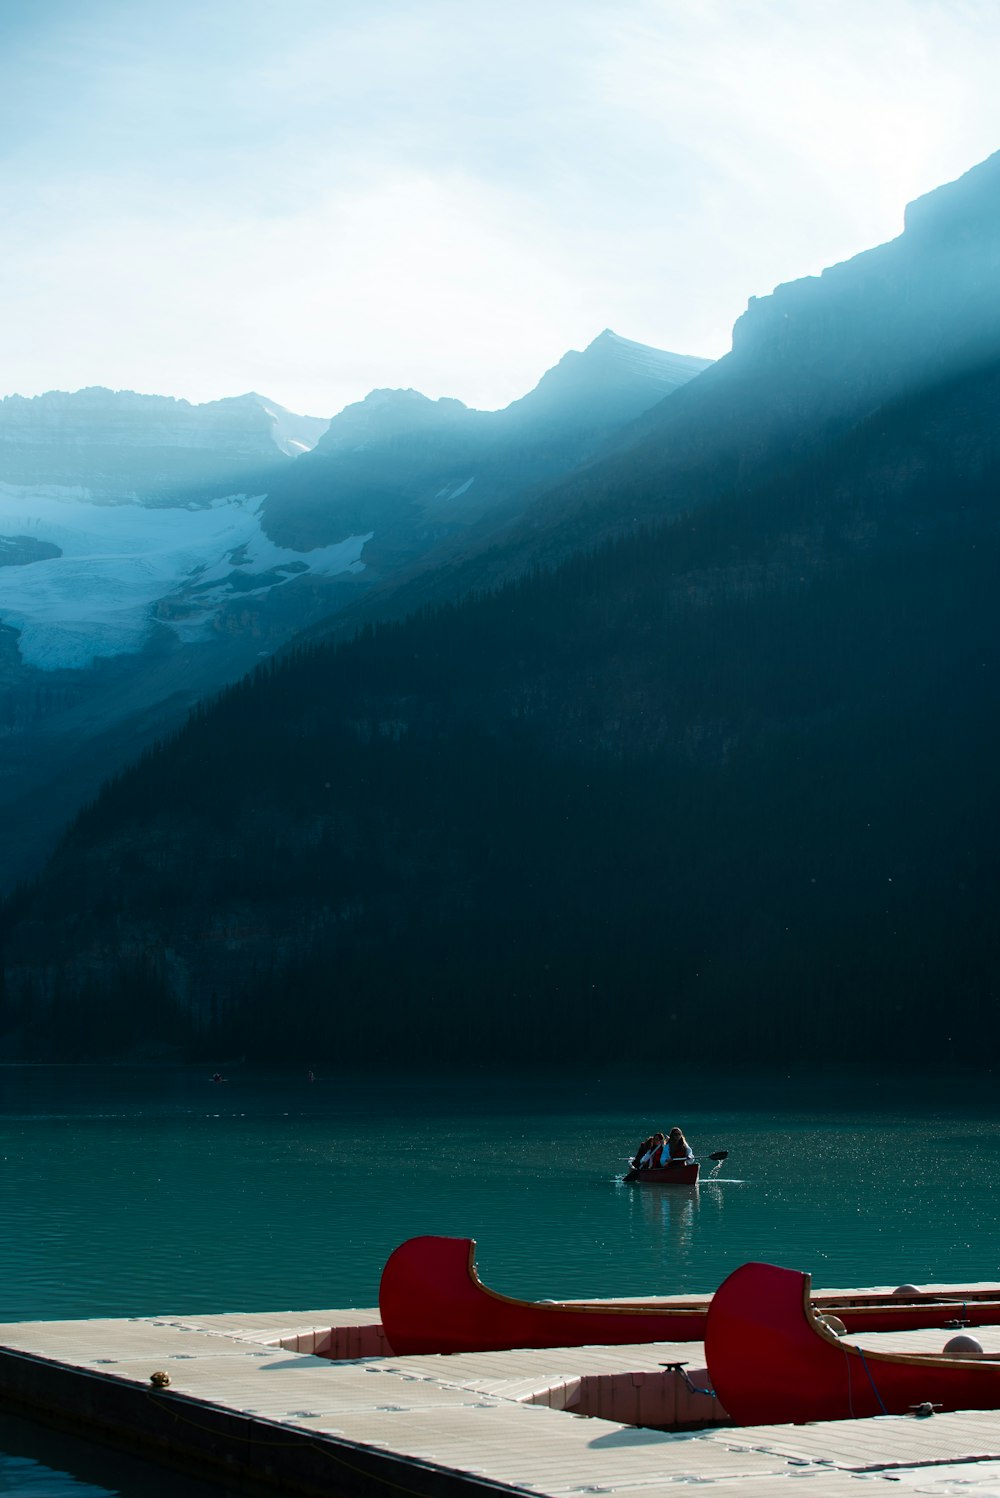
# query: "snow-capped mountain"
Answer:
x=121 y=514
x=152 y=551
x=241 y=424
x=610 y=382
x=117 y=444
x=153 y=526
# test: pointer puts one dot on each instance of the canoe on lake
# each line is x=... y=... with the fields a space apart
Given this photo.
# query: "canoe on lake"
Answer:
x=678 y=1173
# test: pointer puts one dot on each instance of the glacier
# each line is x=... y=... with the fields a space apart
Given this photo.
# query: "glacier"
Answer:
x=124 y=568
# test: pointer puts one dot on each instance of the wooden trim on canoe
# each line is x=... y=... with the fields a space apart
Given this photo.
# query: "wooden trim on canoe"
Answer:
x=601 y=1307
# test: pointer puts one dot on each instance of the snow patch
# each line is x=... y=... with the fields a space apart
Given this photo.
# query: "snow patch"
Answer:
x=448 y=493
x=124 y=566
x=655 y=364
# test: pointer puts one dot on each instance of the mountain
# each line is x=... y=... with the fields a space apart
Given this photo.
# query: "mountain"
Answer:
x=606 y=385
x=723 y=780
x=153 y=550
x=130 y=545
x=117 y=445
x=418 y=472
x=807 y=363
x=120 y=510
x=818 y=354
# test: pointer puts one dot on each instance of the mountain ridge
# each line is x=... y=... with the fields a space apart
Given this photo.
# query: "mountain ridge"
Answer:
x=729 y=757
x=179 y=587
x=240 y=427
x=815 y=356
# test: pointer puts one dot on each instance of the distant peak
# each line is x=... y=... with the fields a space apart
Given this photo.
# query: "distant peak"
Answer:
x=612 y=380
x=388 y=414
x=408 y=402
x=608 y=335
x=610 y=343
x=384 y=395
x=610 y=356
x=240 y=425
x=605 y=340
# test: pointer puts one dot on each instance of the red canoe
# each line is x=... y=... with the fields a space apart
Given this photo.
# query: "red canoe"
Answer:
x=669 y=1175
x=432 y=1300
x=770 y=1360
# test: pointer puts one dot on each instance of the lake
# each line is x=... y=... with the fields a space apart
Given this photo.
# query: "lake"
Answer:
x=132 y=1190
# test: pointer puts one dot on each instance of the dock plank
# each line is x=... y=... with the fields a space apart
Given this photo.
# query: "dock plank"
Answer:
x=472 y=1413
x=926 y=1339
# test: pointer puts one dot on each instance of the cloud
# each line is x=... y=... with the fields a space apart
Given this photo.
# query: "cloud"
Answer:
x=313 y=200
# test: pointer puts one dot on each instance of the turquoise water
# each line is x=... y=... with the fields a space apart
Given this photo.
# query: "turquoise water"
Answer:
x=147 y=1191
x=133 y=1191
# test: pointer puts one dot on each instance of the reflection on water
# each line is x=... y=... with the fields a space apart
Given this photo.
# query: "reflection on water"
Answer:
x=668 y=1219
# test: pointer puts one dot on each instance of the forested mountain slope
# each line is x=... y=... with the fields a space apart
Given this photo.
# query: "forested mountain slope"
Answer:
x=729 y=761
x=733 y=778
x=152 y=551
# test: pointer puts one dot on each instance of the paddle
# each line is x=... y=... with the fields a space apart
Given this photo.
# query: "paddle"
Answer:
x=717 y=1156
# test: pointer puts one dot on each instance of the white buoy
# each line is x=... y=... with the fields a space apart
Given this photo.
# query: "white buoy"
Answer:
x=833 y=1324
x=907 y=1290
x=963 y=1347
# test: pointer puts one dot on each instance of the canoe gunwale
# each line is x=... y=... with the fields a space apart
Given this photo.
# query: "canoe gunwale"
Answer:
x=593 y=1307
x=866 y=1355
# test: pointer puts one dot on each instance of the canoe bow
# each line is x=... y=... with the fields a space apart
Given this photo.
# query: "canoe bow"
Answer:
x=771 y=1360
x=431 y=1299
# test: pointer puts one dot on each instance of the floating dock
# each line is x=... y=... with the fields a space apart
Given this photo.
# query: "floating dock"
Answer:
x=315 y=1402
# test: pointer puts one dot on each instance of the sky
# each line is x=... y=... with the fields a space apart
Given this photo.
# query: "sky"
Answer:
x=316 y=198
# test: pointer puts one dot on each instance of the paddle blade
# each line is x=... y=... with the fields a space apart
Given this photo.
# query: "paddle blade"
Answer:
x=720 y=1155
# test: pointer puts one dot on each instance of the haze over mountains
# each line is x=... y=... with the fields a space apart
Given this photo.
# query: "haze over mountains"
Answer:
x=118 y=445
x=418 y=468
x=807 y=363
x=704 y=738
x=153 y=550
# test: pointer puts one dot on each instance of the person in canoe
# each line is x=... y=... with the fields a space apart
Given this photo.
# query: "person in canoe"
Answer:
x=678 y=1151
x=644 y=1153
